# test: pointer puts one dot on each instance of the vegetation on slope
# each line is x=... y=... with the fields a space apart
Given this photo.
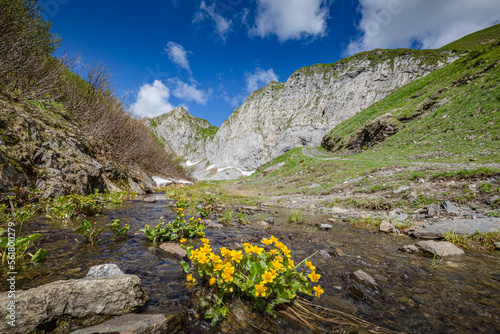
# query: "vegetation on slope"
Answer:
x=449 y=115
x=31 y=75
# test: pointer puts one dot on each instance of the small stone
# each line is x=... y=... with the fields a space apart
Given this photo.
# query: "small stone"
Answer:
x=363 y=278
x=325 y=253
x=409 y=249
x=173 y=249
x=432 y=210
x=149 y=199
x=211 y=224
x=401 y=189
x=421 y=180
x=105 y=270
x=270 y=220
x=412 y=197
x=497 y=245
x=263 y=223
x=386 y=227
x=332 y=220
x=325 y=227
x=339 y=252
x=450 y=208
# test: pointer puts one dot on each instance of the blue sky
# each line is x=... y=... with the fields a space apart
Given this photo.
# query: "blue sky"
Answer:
x=209 y=55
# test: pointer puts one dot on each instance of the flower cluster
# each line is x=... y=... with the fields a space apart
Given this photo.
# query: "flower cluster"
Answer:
x=179 y=228
x=266 y=274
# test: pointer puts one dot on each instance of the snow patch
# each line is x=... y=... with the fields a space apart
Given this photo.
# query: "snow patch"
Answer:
x=241 y=171
x=189 y=163
x=161 y=182
x=210 y=167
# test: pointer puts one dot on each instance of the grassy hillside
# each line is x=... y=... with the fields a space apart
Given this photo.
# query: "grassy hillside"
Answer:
x=450 y=115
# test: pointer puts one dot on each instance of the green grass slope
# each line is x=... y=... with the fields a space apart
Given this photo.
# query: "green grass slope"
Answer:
x=450 y=115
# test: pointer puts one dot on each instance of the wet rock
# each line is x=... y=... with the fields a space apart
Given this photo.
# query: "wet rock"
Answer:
x=386 y=227
x=263 y=224
x=439 y=248
x=136 y=324
x=339 y=252
x=173 y=249
x=105 y=270
x=149 y=199
x=363 y=278
x=401 y=189
x=459 y=226
x=410 y=249
x=324 y=253
x=450 y=208
x=432 y=210
x=325 y=227
x=270 y=220
x=79 y=301
x=211 y=224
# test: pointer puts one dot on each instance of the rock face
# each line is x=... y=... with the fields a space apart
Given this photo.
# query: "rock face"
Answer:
x=80 y=301
x=38 y=149
x=298 y=112
x=183 y=134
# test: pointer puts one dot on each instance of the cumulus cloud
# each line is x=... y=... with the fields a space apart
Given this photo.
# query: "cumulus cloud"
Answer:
x=222 y=26
x=189 y=92
x=259 y=78
x=178 y=55
x=291 y=19
x=426 y=24
x=152 y=100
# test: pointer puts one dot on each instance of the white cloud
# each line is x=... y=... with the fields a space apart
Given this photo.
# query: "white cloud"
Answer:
x=188 y=92
x=291 y=19
x=152 y=100
x=178 y=55
x=426 y=23
x=222 y=26
x=259 y=78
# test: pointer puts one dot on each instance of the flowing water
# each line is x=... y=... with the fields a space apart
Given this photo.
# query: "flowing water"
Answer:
x=419 y=294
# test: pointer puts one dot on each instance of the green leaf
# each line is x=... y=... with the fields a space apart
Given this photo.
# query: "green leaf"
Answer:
x=223 y=311
x=185 y=266
x=39 y=255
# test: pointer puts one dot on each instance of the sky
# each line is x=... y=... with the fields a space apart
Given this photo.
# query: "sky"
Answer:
x=209 y=55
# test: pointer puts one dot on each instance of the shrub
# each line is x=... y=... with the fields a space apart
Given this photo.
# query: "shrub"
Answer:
x=295 y=216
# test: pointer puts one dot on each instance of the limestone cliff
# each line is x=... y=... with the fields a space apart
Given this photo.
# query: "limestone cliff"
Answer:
x=300 y=111
x=183 y=134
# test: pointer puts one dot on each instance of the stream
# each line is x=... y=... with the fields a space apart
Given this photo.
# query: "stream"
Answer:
x=419 y=294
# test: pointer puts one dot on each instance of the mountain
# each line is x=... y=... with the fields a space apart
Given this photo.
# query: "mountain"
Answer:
x=298 y=112
x=452 y=114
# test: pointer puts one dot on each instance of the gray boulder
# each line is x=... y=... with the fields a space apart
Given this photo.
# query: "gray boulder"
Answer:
x=105 y=270
x=386 y=227
x=62 y=304
x=450 y=208
x=136 y=324
x=459 y=226
x=432 y=210
x=438 y=248
x=173 y=249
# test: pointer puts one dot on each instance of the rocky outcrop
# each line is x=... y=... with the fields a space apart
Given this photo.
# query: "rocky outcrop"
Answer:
x=182 y=133
x=300 y=111
x=63 y=304
x=40 y=148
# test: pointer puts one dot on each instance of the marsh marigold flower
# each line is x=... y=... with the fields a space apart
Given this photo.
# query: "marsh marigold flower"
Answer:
x=310 y=265
x=183 y=240
x=318 y=290
x=314 y=277
x=273 y=239
x=261 y=290
x=212 y=281
x=266 y=241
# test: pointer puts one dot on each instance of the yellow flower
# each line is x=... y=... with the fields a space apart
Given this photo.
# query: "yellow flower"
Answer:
x=180 y=209
x=310 y=265
x=291 y=265
x=218 y=267
x=273 y=239
x=199 y=219
x=261 y=290
x=273 y=251
x=212 y=281
x=266 y=241
x=277 y=265
x=225 y=252
x=268 y=277
x=318 y=290
x=205 y=240
x=190 y=278
x=258 y=250
x=236 y=256
x=191 y=219
x=183 y=240
x=314 y=277
x=279 y=258
x=215 y=258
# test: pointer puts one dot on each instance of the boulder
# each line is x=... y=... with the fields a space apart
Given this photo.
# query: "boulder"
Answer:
x=450 y=208
x=76 y=302
x=363 y=278
x=325 y=227
x=432 y=210
x=439 y=248
x=459 y=226
x=136 y=324
x=386 y=227
x=105 y=270
x=401 y=189
x=149 y=199
x=173 y=249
